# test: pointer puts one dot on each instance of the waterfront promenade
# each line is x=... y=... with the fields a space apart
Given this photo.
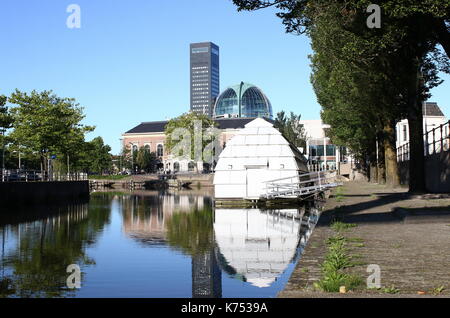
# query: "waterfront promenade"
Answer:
x=408 y=236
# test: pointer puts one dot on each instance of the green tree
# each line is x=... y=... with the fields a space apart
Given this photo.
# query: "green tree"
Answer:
x=291 y=128
x=6 y=121
x=405 y=48
x=47 y=124
x=146 y=160
x=96 y=156
x=203 y=135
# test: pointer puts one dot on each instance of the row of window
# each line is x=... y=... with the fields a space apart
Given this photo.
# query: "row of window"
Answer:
x=318 y=150
x=159 y=149
x=176 y=166
x=200 y=50
x=200 y=67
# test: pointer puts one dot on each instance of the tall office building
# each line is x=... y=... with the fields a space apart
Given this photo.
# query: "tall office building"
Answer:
x=205 y=78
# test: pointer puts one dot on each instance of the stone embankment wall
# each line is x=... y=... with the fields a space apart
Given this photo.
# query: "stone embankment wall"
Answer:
x=24 y=193
x=437 y=172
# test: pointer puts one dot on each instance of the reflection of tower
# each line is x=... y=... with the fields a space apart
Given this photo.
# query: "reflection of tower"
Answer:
x=206 y=276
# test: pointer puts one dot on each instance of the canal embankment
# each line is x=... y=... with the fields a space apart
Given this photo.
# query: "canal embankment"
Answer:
x=31 y=193
x=155 y=181
x=406 y=236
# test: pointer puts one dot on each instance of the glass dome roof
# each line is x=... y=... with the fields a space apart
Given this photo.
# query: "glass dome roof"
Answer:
x=243 y=100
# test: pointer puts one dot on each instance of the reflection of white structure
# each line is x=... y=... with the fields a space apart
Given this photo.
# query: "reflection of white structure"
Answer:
x=258 y=153
x=257 y=246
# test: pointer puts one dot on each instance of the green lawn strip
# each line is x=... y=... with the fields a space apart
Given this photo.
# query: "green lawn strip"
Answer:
x=339 y=194
x=337 y=261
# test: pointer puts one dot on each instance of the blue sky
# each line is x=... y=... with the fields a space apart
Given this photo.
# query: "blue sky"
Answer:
x=129 y=61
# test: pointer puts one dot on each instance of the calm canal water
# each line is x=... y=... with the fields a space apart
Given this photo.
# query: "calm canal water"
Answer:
x=151 y=244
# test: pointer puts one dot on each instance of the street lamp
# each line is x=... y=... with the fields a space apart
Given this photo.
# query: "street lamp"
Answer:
x=19 y=158
x=3 y=156
x=132 y=157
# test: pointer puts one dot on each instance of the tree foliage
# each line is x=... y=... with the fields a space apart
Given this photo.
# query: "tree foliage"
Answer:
x=45 y=125
x=366 y=79
x=184 y=126
x=146 y=160
x=291 y=129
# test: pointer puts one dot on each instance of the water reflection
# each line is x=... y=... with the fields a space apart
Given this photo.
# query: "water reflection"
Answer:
x=252 y=246
x=36 y=253
x=256 y=246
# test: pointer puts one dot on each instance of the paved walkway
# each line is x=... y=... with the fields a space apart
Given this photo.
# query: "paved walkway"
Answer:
x=407 y=236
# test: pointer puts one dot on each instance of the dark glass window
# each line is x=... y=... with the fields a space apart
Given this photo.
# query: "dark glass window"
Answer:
x=254 y=104
x=331 y=150
x=227 y=103
x=160 y=150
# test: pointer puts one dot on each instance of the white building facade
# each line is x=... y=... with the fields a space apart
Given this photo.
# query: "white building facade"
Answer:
x=435 y=127
x=255 y=155
x=320 y=151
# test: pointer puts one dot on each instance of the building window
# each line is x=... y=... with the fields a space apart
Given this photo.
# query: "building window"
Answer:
x=160 y=150
x=200 y=50
x=191 y=166
x=405 y=133
x=147 y=147
x=135 y=148
x=176 y=167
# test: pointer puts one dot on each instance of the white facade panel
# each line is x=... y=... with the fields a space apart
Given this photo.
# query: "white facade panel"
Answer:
x=257 y=154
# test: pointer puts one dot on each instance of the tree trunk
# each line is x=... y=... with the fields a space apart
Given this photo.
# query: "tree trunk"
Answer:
x=381 y=179
x=390 y=155
x=416 y=144
x=373 y=172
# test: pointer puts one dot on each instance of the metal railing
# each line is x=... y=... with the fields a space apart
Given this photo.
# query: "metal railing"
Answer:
x=303 y=184
x=35 y=175
x=436 y=140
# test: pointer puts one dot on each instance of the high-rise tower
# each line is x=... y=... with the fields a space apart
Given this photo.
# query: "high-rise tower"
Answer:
x=205 y=77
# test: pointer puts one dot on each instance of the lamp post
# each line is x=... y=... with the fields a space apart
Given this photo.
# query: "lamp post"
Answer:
x=20 y=163
x=3 y=155
x=132 y=157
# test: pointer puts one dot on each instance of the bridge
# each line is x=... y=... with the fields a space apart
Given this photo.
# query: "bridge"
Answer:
x=301 y=186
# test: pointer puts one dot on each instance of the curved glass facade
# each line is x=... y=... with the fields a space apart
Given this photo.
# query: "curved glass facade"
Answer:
x=243 y=100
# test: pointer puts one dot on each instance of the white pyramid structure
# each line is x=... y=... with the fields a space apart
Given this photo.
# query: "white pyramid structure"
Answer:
x=259 y=246
x=258 y=153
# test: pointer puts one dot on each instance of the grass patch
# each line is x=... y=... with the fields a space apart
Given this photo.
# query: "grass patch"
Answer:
x=438 y=290
x=390 y=290
x=396 y=245
x=340 y=226
x=304 y=270
x=333 y=268
x=339 y=194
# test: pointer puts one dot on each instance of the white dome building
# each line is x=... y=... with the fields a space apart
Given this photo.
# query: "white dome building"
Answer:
x=257 y=154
